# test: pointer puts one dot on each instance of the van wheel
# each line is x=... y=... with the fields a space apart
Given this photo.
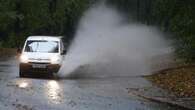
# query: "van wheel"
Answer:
x=21 y=73
x=55 y=76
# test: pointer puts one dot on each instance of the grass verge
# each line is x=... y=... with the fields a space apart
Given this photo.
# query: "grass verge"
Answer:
x=180 y=80
x=7 y=52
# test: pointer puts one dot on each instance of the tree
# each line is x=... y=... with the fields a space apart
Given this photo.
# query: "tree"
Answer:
x=177 y=17
x=21 y=18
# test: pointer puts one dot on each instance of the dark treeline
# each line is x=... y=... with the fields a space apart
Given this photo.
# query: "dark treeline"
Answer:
x=21 y=18
x=172 y=16
x=177 y=17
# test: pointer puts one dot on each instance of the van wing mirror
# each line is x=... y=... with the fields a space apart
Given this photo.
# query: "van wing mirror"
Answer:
x=64 y=52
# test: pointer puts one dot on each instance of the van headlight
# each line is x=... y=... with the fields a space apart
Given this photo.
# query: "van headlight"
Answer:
x=23 y=59
x=55 y=59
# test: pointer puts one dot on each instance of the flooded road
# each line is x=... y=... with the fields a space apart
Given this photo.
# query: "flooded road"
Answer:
x=70 y=94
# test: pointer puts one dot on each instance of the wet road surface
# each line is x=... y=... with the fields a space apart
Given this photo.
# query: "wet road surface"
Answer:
x=69 y=94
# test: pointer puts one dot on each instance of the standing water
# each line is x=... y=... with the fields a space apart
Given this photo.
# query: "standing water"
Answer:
x=105 y=45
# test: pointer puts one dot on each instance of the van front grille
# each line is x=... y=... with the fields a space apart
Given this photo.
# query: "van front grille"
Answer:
x=38 y=63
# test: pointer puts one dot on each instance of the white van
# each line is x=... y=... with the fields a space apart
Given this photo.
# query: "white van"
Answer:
x=41 y=54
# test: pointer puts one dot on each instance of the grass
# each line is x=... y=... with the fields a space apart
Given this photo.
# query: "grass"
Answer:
x=7 y=51
x=180 y=81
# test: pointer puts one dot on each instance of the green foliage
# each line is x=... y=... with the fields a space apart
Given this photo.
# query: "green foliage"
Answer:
x=174 y=16
x=137 y=10
x=177 y=17
x=21 y=18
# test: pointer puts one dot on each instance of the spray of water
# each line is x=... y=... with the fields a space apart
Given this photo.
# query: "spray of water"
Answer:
x=106 y=45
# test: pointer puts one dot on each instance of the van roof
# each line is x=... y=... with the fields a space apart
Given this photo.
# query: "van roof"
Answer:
x=52 y=38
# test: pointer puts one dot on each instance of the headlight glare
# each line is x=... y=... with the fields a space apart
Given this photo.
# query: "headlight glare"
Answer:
x=23 y=59
x=54 y=60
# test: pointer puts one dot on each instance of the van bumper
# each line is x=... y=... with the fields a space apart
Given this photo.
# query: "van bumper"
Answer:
x=49 y=68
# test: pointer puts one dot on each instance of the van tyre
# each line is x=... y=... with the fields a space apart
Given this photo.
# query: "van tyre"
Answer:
x=55 y=76
x=21 y=73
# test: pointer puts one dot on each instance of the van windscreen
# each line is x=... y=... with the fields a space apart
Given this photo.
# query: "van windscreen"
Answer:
x=42 y=46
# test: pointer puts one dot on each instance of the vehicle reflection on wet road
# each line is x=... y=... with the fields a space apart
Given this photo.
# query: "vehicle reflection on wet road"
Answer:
x=70 y=94
x=53 y=91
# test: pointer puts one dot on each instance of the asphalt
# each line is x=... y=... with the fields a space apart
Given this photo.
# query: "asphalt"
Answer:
x=40 y=93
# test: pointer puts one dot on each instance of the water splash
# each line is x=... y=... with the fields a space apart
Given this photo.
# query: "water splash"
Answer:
x=106 y=45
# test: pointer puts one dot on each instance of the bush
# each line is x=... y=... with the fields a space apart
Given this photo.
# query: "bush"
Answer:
x=176 y=16
x=21 y=18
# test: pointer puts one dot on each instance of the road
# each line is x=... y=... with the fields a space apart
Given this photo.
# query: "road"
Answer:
x=69 y=94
